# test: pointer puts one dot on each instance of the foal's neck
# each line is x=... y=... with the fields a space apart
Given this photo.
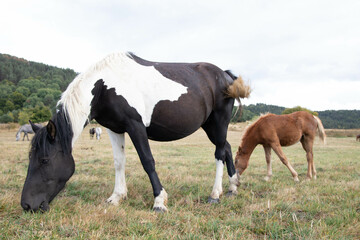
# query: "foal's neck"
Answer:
x=248 y=145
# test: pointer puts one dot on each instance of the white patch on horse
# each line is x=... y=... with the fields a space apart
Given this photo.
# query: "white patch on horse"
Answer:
x=217 y=189
x=160 y=201
x=118 y=146
x=142 y=86
x=234 y=183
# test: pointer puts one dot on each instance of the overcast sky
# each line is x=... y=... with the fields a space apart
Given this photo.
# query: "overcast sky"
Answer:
x=293 y=53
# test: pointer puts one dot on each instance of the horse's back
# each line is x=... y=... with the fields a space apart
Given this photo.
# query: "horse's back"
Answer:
x=205 y=85
x=286 y=129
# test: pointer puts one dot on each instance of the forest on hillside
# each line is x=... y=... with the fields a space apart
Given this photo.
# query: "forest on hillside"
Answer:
x=30 y=90
x=331 y=119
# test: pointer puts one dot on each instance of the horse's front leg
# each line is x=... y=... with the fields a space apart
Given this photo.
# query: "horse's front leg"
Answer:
x=118 y=146
x=217 y=188
x=138 y=135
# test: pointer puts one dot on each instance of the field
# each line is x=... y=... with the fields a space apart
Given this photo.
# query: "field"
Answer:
x=327 y=208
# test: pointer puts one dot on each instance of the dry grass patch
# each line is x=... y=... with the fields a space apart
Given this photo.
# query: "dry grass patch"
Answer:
x=328 y=208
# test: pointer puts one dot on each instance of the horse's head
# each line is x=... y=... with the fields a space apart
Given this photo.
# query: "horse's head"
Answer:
x=18 y=136
x=50 y=167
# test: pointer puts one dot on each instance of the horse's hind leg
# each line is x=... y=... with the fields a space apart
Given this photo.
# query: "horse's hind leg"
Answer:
x=307 y=143
x=118 y=146
x=217 y=132
x=277 y=149
x=233 y=177
x=267 y=150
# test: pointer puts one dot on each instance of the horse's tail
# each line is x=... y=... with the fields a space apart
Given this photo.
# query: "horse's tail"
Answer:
x=237 y=89
x=321 y=129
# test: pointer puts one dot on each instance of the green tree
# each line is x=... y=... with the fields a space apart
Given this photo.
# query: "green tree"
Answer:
x=297 y=109
x=9 y=106
x=6 y=118
x=32 y=84
x=32 y=101
x=24 y=91
x=24 y=117
x=18 y=99
x=40 y=114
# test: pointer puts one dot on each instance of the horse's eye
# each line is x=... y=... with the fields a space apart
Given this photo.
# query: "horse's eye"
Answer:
x=44 y=160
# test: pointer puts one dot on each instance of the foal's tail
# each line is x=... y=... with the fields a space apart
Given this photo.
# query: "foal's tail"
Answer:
x=321 y=130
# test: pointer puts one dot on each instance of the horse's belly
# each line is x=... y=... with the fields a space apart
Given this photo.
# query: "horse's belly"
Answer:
x=289 y=139
x=176 y=120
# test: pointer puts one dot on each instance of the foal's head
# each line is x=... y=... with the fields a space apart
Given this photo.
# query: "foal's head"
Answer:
x=241 y=161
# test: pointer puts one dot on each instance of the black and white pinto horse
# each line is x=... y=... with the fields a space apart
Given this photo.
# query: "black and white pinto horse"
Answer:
x=26 y=129
x=95 y=131
x=148 y=100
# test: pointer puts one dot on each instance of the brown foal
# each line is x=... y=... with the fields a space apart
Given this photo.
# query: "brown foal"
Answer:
x=273 y=131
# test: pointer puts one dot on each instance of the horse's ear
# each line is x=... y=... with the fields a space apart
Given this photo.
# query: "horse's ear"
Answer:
x=34 y=127
x=51 y=129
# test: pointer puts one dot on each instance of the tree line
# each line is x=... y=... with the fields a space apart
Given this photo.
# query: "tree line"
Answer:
x=30 y=90
x=331 y=119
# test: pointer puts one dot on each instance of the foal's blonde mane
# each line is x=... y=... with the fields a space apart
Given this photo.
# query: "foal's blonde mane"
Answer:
x=76 y=99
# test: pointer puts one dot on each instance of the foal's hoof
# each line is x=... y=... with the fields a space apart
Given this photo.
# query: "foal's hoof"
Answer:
x=267 y=178
x=160 y=210
x=231 y=194
x=213 y=200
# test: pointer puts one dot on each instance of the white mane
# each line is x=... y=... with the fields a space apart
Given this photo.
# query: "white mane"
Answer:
x=77 y=97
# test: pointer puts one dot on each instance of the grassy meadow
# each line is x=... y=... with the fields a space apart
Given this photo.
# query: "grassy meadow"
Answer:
x=327 y=208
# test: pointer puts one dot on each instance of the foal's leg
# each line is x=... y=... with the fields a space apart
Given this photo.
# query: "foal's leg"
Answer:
x=267 y=150
x=284 y=160
x=307 y=143
x=138 y=135
x=118 y=146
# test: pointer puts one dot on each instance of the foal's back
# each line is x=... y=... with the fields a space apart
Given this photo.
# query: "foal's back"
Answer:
x=287 y=129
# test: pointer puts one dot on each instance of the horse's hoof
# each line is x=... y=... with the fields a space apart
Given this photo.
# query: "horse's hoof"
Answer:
x=296 y=179
x=115 y=199
x=159 y=210
x=213 y=200
x=231 y=194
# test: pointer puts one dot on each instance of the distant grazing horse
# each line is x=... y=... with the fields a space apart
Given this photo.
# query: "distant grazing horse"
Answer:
x=96 y=131
x=26 y=129
x=148 y=100
x=358 y=137
x=273 y=131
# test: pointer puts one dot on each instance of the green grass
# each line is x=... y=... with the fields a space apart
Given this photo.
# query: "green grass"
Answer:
x=328 y=208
